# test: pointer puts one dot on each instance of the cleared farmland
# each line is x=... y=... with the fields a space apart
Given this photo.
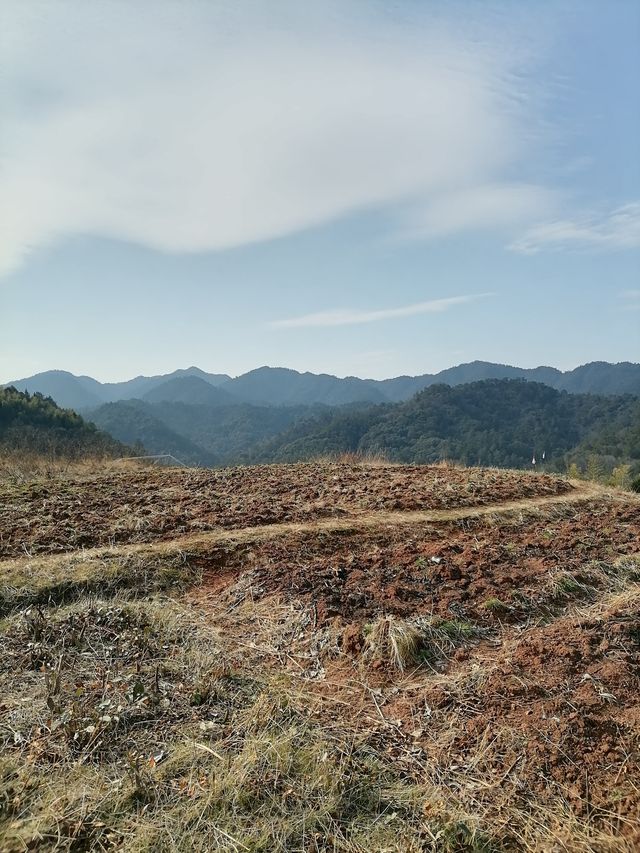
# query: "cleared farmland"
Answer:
x=319 y=657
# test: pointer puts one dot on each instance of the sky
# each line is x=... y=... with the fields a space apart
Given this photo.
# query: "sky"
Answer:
x=359 y=188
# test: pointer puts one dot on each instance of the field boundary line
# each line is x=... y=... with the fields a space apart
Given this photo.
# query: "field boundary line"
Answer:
x=580 y=493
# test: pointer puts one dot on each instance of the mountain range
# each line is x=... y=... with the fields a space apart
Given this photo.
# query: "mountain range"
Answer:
x=498 y=422
x=277 y=386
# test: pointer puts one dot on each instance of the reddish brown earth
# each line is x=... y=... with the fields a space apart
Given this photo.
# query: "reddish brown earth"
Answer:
x=539 y=703
x=452 y=568
x=544 y=704
x=144 y=506
x=557 y=711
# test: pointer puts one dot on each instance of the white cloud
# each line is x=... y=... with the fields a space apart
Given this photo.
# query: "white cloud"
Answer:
x=206 y=126
x=619 y=229
x=482 y=207
x=351 y=317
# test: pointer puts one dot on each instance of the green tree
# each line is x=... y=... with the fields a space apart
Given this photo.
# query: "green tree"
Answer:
x=620 y=477
x=595 y=469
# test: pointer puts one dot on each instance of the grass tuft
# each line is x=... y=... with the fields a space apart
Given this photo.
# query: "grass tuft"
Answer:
x=404 y=644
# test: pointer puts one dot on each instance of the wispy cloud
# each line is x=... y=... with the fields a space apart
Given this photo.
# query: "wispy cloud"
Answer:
x=211 y=125
x=479 y=208
x=619 y=229
x=351 y=317
x=631 y=299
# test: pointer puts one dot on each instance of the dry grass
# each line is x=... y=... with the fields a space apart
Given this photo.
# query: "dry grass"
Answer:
x=135 y=718
x=51 y=581
x=593 y=579
x=404 y=644
x=356 y=458
x=137 y=725
x=158 y=744
x=27 y=467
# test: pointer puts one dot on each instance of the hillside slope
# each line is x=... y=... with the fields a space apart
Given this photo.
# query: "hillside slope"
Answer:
x=36 y=425
x=189 y=389
x=494 y=422
x=84 y=392
x=65 y=389
x=277 y=386
x=203 y=434
x=134 y=422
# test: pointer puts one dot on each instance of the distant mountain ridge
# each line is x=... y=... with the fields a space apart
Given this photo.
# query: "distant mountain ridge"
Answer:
x=189 y=389
x=84 y=392
x=502 y=422
x=279 y=386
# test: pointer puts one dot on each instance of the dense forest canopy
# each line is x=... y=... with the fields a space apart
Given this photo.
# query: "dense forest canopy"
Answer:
x=504 y=423
x=31 y=423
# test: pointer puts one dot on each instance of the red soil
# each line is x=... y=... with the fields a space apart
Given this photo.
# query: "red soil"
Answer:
x=452 y=569
x=165 y=504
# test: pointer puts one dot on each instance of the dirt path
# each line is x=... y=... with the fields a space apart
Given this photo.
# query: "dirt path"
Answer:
x=580 y=493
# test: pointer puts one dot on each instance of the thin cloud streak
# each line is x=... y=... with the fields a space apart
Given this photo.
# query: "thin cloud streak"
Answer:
x=351 y=317
x=619 y=229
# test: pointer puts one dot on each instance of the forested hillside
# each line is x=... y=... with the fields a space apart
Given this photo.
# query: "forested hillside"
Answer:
x=495 y=422
x=135 y=423
x=36 y=425
x=196 y=434
x=189 y=389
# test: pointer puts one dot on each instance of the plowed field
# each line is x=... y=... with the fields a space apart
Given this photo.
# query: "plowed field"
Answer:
x=320 y=657
x=145 y=506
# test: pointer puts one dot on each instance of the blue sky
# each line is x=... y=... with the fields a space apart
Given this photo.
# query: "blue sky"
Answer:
x=356 y=188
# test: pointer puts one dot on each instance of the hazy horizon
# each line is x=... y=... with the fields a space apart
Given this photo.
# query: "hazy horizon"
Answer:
x=134 y=375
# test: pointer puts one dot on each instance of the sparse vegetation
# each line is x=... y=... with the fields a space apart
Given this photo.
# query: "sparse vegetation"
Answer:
x=495 y=605
x=139 y=505
x=564 y=586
